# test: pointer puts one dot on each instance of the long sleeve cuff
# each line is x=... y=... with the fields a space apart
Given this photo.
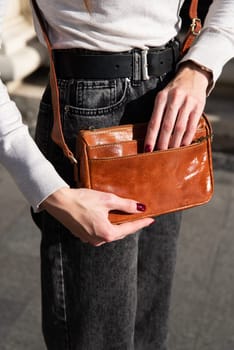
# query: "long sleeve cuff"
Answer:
x=34 y=175
x=211 y=50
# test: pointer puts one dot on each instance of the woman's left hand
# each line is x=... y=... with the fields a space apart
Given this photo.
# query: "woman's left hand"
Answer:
x=178 y=108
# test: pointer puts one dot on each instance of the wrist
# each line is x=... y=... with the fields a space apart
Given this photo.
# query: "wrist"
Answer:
x=54 y=199
x=204 y=73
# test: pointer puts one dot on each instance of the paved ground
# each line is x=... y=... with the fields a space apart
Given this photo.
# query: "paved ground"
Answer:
x=203 y=298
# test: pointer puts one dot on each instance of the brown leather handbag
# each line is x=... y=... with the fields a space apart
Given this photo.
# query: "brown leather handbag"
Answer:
x=112 y=159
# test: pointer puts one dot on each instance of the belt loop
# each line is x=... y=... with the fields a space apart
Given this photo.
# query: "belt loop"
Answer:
x=136 y=65
x=144 y=64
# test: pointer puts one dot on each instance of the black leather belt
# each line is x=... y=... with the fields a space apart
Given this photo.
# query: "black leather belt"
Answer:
x=135 y=64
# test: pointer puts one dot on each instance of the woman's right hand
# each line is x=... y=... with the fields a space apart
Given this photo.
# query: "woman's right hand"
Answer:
x=85 y=213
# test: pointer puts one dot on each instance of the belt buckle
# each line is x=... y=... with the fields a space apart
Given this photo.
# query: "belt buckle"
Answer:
x=144 y=65
x=195 y=26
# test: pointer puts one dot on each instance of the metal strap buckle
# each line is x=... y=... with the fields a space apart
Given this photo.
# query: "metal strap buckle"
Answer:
x=196 y=22
x=144 y=65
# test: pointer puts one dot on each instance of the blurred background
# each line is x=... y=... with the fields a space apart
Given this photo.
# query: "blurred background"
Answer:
x=203 y=297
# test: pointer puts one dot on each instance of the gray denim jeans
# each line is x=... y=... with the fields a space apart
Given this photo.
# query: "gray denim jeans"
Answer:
x=114 y=297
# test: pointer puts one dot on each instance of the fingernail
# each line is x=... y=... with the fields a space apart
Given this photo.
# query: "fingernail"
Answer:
x=141 y=207
x=147 y=148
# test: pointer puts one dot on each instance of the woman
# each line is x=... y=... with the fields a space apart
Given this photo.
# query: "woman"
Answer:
x=116 y=295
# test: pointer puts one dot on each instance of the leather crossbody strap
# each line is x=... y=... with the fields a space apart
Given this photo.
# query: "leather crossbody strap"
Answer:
x=57 y=132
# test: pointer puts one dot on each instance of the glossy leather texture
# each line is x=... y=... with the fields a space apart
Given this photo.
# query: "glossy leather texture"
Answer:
x=112 y=160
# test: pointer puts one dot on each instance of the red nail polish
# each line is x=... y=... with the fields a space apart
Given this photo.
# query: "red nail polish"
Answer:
x=141 y=207
x=147 y=148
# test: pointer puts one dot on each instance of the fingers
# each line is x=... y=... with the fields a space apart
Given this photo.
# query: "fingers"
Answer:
x=174 y=105
x=127 y=205
x=84 y=213
x=155 y=121
x=191 y=127
x=174 y=119
x=90 y=219
x=128 y=228
x=185 y=127
x=177 y=110
x=117 y=232
x=163 y=123
x=107 y=232
x=176 y=126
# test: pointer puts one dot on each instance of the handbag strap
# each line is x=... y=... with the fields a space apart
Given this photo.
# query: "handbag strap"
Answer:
x=194 y=29
x=57 y=132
